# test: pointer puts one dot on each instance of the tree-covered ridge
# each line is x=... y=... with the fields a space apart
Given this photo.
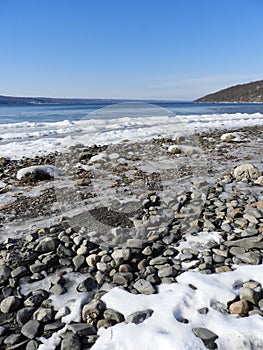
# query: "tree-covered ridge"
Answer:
x=250 y=92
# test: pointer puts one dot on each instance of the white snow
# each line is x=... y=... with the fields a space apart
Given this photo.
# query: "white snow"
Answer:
x=233 y=137
x=50 y=170
x=163 y=331
x=29 y=139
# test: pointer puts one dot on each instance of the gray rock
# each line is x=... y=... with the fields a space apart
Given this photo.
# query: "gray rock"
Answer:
x=223 y=268
x=31 y=329
x=253 y=258
x=186 y=257
x=93 y=310
x=32 y=345
x=237 y=251
x=12 y=339
x=100 y=277
x=147 y=251
x=64 y=251
x=23 y=315
x=246 y=171
x=71 y=341
x=63 y=311
x=43 y=314
x=103 y=267
x=87 y=285
x=153 y=278
x=47 y=244
x=203 y=310
x=78 y=261
x=247 y=243
x=5 y=273
x=58 y=289
x=159 y=260
x=139 y=316
x=58 y=279
x=144 y=287
x=82 y=329
x=34 y=300
x=256 y=213
x=205 y=334
x=135 y=243
x=10 y=304
x=125 y=268
x=123 y=278
x=2 y=331
x=251 y=295
x=37 y=267
x=110 y=314
x=248 y=232
x=20 y=271
x=167 y=271
x=219 y=259
x=55 y=326
x=251 y=218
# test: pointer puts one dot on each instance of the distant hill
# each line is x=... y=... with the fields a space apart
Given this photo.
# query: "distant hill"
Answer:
x=250 y=92
x=10 y=100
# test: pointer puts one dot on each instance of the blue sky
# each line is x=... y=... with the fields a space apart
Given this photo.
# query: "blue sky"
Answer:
x=156 y=49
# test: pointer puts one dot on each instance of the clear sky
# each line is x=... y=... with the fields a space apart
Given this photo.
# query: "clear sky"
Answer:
x=160 y=49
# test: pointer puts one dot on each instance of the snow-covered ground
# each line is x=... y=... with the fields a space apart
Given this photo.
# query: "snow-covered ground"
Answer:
x=29 y=139
x=163 y=330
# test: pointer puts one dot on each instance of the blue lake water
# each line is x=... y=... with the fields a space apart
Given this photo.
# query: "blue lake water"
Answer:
x=55 y=113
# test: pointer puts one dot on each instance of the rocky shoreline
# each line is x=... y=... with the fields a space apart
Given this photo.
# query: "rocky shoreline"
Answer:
x=61 y=262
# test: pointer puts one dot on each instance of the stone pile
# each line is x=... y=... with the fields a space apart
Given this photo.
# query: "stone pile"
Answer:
x=233 y=208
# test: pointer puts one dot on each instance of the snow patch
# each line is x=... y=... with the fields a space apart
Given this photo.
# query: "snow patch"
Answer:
x=50 y=170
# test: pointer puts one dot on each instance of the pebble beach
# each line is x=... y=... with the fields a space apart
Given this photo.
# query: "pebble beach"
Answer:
x=117 y=246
